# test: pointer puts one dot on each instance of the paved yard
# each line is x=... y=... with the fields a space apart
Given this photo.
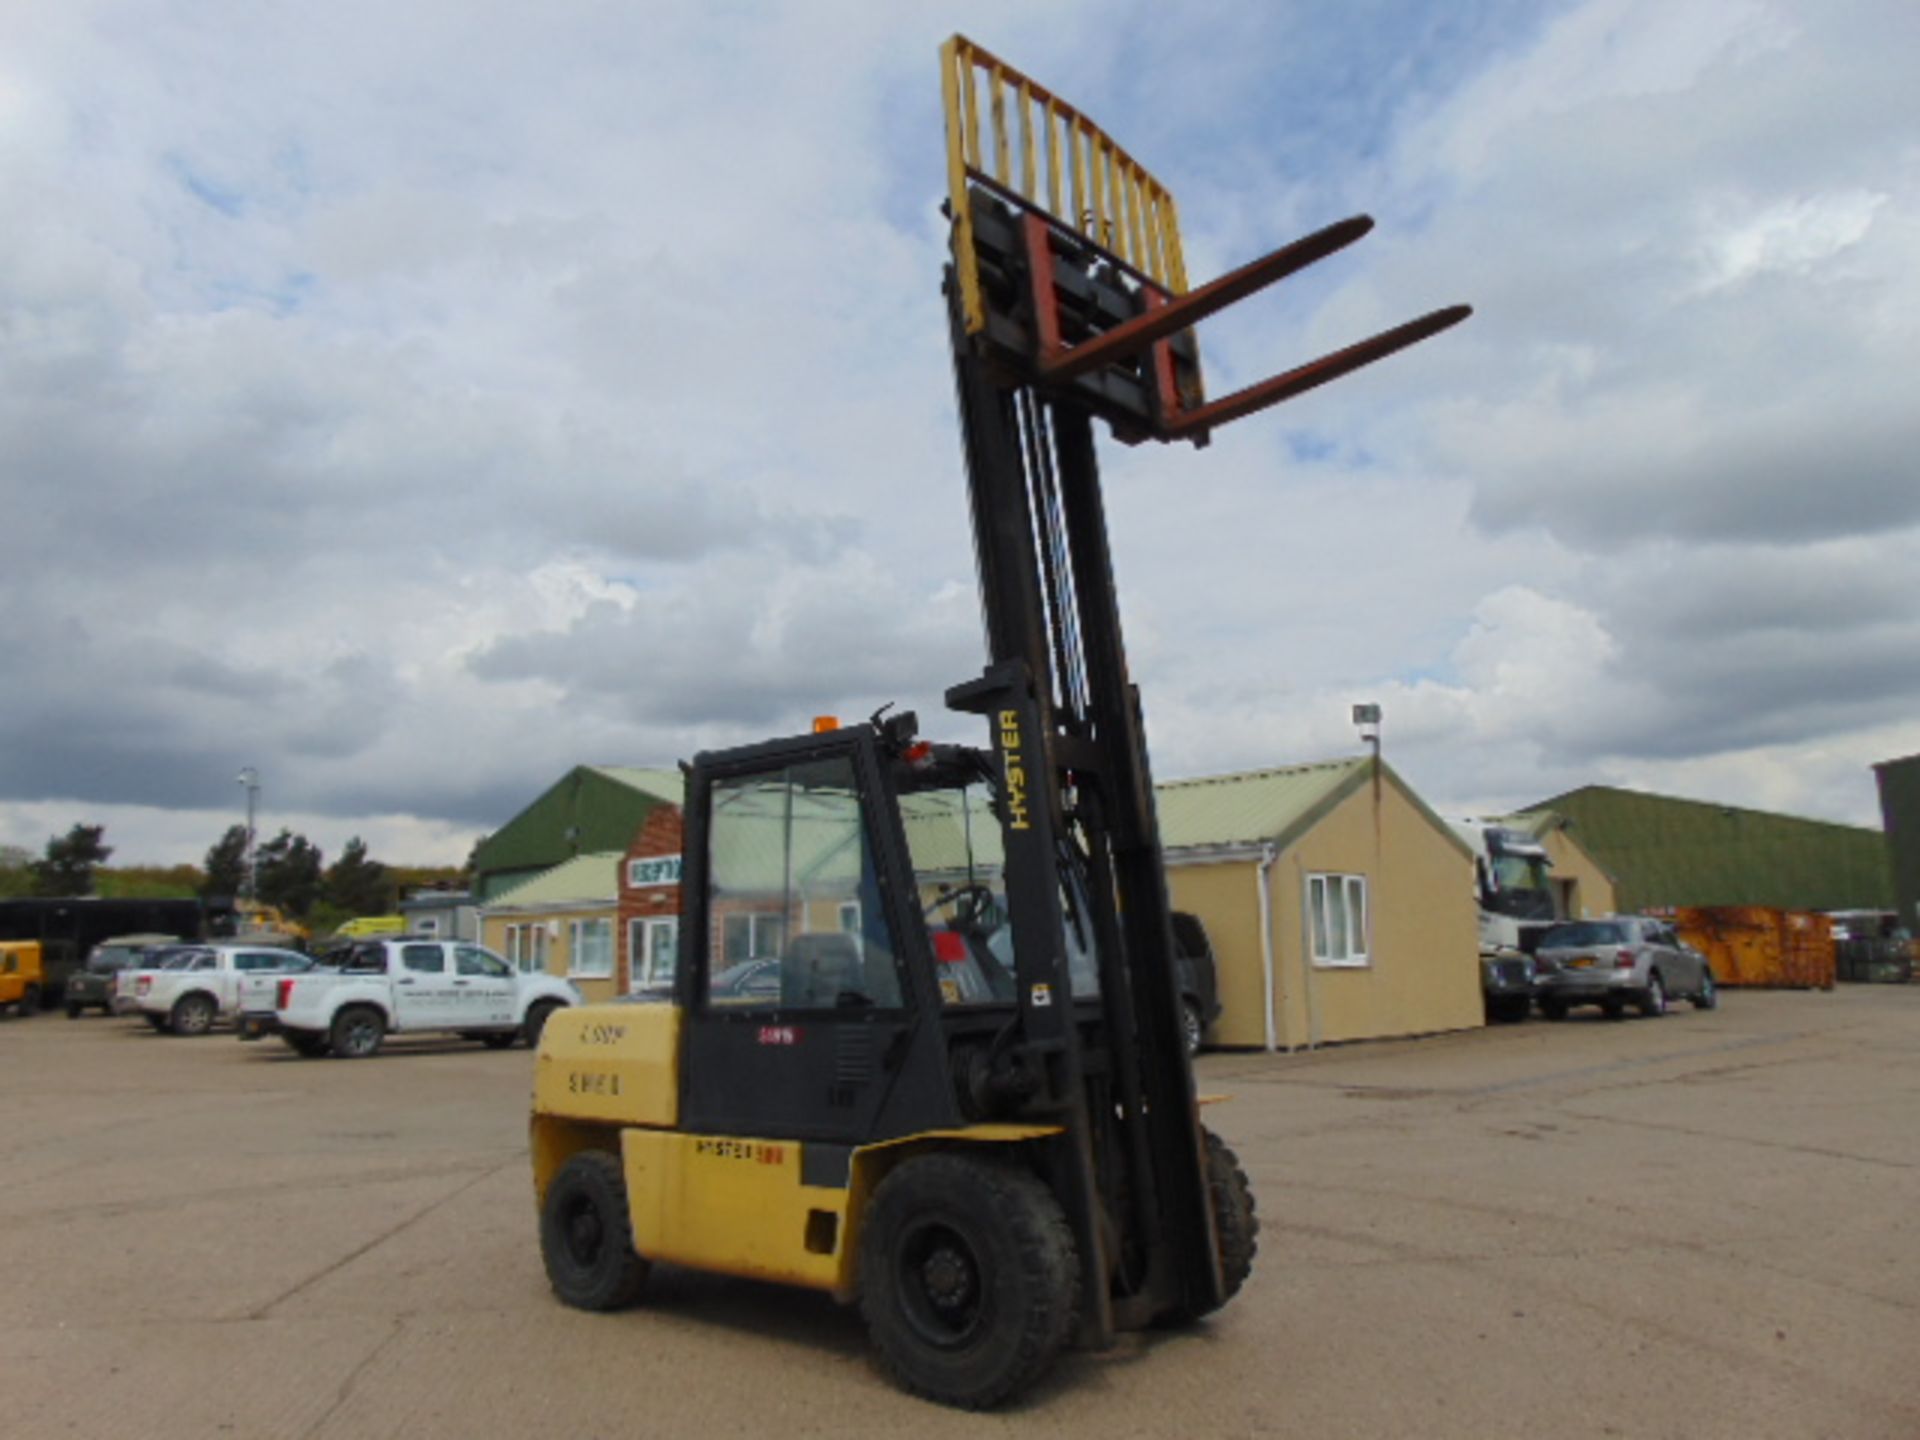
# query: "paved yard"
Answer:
x=1700 y=1226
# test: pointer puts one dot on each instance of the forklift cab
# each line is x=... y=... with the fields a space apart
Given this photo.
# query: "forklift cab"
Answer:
x=864 y=871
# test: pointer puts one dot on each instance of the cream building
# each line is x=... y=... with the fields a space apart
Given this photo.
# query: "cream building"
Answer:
x=1339 y=905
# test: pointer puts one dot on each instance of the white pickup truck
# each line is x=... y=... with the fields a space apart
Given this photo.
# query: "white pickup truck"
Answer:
x=201 y=987
x=401 y=985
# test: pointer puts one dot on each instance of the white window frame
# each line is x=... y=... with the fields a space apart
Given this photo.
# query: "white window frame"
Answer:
x=640 y=931
x=1339 y=921
x=602 y=967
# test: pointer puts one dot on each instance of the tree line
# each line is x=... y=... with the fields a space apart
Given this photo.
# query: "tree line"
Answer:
x=290 y=874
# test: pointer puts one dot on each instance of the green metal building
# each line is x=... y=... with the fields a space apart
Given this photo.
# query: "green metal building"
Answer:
x=1662 y=850
x=591 y=808
x=1900 y=812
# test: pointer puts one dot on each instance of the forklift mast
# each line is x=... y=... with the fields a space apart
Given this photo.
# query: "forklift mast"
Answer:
x=1068 y=304
x=1068 y=307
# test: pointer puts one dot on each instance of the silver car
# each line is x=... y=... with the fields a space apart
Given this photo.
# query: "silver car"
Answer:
x=1619 y=961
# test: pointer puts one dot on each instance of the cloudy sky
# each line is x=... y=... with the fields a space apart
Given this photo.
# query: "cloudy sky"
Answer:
x=414 y=401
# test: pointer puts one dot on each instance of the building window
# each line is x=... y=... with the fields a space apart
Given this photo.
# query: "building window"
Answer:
x=591 y=946
x=527 y=947
x=752 y=937
x=1337 y=919
x=850 y=917
x=652 y=948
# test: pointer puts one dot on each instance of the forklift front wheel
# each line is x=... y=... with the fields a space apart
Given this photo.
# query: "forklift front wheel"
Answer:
x=968 y=1277
x=586 y=1235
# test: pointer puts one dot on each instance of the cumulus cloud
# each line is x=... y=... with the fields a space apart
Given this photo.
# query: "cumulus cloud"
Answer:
x=414 y=403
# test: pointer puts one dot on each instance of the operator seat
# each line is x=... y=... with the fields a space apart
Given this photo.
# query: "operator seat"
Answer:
x=818 y=969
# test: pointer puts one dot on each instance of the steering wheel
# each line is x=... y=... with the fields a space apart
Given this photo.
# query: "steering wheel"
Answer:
x=972 y=904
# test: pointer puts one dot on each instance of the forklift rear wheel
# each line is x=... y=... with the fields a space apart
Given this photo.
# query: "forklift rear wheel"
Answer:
x=968 y=1277
x=586 y=1235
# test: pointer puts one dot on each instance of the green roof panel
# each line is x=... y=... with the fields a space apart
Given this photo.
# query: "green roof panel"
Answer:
x=1666 y=851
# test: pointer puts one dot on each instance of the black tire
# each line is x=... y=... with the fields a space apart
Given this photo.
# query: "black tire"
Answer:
x=586 y=1235
x=1553 y=1009
x=357 y=1032
x=968 y=1277
x=1613 y=1007
x=1233 y=1218
x=158 y=1022
x=1709 y=996
x=306 y=1044
x=1193 y=1029
x=192 y=1015
x=1653 y=1003
x=498 y=1039
x=29 y=1002
x=74 y=1008
x=537 y=1016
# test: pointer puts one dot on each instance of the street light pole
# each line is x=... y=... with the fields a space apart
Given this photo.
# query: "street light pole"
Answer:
x=250 y=778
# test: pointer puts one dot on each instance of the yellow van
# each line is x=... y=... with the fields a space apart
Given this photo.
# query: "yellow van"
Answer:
x=20 y=976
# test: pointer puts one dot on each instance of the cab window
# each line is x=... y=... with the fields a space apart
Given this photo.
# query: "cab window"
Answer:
x=472 y=960
x=789 y=866
x=424 y=959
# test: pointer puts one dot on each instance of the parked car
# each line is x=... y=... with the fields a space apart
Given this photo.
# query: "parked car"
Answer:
x=203 y=988
x=90 y=987
x=1194 y=969
x=126 y=982
x=401 y=985
x=21 y=976
x=1618 y=961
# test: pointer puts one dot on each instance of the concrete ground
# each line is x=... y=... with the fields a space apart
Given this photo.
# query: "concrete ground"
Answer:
x=1701 y=1226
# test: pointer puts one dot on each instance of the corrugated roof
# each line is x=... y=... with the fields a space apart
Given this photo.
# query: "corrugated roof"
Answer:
x=582 y=880
x=1253 y=807
x=590 y=808
x=1663 y=850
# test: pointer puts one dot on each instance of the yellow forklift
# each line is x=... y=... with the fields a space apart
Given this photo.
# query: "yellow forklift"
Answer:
x=925 y=1049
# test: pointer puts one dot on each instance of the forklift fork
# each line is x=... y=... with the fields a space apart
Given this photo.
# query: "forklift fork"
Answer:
x=1165 y=314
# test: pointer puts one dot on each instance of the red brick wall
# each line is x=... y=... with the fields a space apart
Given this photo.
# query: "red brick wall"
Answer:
x=659 y=834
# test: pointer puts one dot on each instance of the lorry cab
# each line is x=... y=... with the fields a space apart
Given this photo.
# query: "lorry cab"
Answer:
x=22 y=976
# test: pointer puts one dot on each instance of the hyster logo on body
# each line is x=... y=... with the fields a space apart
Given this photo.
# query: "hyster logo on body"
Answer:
x=1010 y=748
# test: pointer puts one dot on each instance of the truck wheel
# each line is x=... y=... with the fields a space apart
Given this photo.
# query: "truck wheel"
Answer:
x=29 y=1002
x=968 y=1278
x=192 y=1015
x=304 y=1043
x=1192 y=1028
x=1553 y=1009
x=497 y=1039
x=586 y=1235
x=357 y=1032
x=73 y=1009
x=537 y=1016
